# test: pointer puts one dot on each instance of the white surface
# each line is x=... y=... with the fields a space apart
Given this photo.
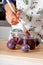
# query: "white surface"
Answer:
x=14 y=62
x=9 y=60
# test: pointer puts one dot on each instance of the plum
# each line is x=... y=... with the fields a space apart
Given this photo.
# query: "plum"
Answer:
x=11 y=44
x=16 y=39
x=20 y=41
x=36 y=40
x=31 y=43
x=25 y=47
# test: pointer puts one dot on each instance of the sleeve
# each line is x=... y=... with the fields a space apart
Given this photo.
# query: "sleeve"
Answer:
x=4 y=2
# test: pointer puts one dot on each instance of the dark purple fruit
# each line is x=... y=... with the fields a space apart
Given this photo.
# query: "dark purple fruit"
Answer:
x=36 y=40
x=31 y=43
x=16 y=39
x=11 y=44
x=25 y=47
x=20 y=41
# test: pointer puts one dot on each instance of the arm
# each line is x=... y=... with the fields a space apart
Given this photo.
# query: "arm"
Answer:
x=10 y=17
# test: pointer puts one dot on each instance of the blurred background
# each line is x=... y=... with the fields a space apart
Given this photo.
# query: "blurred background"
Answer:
x=4 y=26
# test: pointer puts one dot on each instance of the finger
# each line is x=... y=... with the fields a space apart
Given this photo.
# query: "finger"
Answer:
x=18 y=13
x=14 y=23
x=7 y=14
x=11 y=19
x=15 y=20
x=8 y=18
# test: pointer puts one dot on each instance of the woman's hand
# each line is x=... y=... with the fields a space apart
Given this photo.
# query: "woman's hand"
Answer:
x=12 y=18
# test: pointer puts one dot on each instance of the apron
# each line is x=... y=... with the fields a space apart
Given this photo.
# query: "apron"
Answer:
x=32 y=16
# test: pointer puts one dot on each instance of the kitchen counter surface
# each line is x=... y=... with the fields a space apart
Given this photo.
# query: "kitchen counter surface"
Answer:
x=33 y=55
